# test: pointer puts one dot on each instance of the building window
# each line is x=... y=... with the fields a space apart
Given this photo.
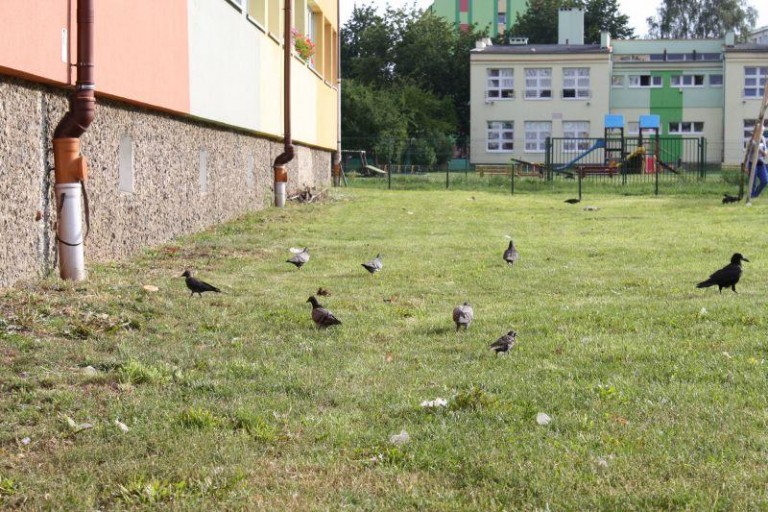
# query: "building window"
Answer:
x=538 y=83
x=577 y=135
x=237 y=3
x=257 y=10
x=501 y=18
x=500 y=84
x=686 y=80
x=754 y=81
x=501 y=136
x=685 y=127
x=536 y=134
x=644 y=81
x=749 y=126
x=576 y=83
x=617 y=81
x=715 y=80
x=633 y=128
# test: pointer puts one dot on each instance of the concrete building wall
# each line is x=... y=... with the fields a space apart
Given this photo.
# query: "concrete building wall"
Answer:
x=556 y=110
x=740 y=107
x=186 y=175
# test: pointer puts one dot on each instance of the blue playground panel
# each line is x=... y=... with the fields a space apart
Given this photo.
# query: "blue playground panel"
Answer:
x=649 y=122
x=614 y=121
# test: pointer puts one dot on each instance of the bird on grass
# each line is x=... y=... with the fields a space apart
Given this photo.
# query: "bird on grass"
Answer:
x=197 y=286
x=321 y=316
x=726 y=277
x=323 y=292
x=511 y=255
x=299 y=259
x=727 y=198
x=374 y=265
x=572 y=201
x=504 y=343
x=463 y=315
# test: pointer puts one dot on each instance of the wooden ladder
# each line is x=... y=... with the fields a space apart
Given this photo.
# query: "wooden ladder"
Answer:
x=750 y=155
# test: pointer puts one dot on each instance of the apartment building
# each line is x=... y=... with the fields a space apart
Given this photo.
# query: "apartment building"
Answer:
x=190 y=116
x=522 y=94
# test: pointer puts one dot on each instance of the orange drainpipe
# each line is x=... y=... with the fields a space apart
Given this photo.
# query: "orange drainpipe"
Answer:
x=70 y=166
x=281 y=171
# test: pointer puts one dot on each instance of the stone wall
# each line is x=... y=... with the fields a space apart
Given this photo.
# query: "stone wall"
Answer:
x=151 y=177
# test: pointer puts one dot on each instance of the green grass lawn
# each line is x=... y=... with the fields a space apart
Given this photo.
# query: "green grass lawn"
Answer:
x=656 y=390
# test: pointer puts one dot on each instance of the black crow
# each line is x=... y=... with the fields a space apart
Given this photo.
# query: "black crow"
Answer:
x=321 y=316
x=572 y=201
x=727 y=198
x=463 y=315
x=197 y=286
x=300 y=258
x=511 y=254
x=374 y=265
x=726 y=277
x=504 y=343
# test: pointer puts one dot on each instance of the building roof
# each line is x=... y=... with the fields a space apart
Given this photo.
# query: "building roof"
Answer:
x=747 y=47
x=546 y=49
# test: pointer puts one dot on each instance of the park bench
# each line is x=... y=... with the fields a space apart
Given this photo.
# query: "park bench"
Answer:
x=597 y=170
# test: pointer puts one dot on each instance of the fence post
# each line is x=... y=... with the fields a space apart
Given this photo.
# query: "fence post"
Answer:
x=547 y=157
x=447 y=177
x=512 y=178
x=702 y=157
x=389 y=177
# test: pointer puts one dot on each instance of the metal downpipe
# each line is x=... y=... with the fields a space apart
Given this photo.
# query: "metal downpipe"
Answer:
x=70 y=167
x=280 y=168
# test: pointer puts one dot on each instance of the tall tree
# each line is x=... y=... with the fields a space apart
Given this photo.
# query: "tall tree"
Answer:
x=539 y=22
x=680 y=19
x=411 y=70
x=602 y=15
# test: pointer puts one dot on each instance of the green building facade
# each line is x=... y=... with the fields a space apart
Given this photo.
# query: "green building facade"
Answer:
x=497 y=15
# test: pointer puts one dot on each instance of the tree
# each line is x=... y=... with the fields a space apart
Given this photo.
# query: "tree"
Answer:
x=366 y=47
x=602 y=15
x=681 y=19
x=539 y=22
x=405 y=90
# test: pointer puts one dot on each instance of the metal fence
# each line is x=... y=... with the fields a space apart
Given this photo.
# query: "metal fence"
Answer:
x=575 y=166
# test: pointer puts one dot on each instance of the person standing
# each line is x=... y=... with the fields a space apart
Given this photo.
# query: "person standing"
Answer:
x=761 y=174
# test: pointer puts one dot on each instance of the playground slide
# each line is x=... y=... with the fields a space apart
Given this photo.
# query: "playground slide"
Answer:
x=599 y=144
x=375 y=169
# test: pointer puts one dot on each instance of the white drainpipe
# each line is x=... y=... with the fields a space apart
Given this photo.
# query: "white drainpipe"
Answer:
x=69 y=201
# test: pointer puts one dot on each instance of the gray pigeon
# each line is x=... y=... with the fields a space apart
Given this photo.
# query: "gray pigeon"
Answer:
x=321 y=316
x=504 y=343
x=374 y=265
x=462 y=315
x=197 y=286
x=511 y=255
x=299 y=259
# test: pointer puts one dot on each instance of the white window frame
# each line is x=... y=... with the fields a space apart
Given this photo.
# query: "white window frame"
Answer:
x=578 y=133
x=686 y=81
x=754 y=81
x=714 y=83
x=538 y=83
x=618 y=81
x=576 y=80
x=654 y=81
x=500 y=137
x=685 y=127
x=500 y=84
x=536 y=133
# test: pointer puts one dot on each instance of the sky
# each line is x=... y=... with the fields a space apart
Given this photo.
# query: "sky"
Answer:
x=637 y=10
